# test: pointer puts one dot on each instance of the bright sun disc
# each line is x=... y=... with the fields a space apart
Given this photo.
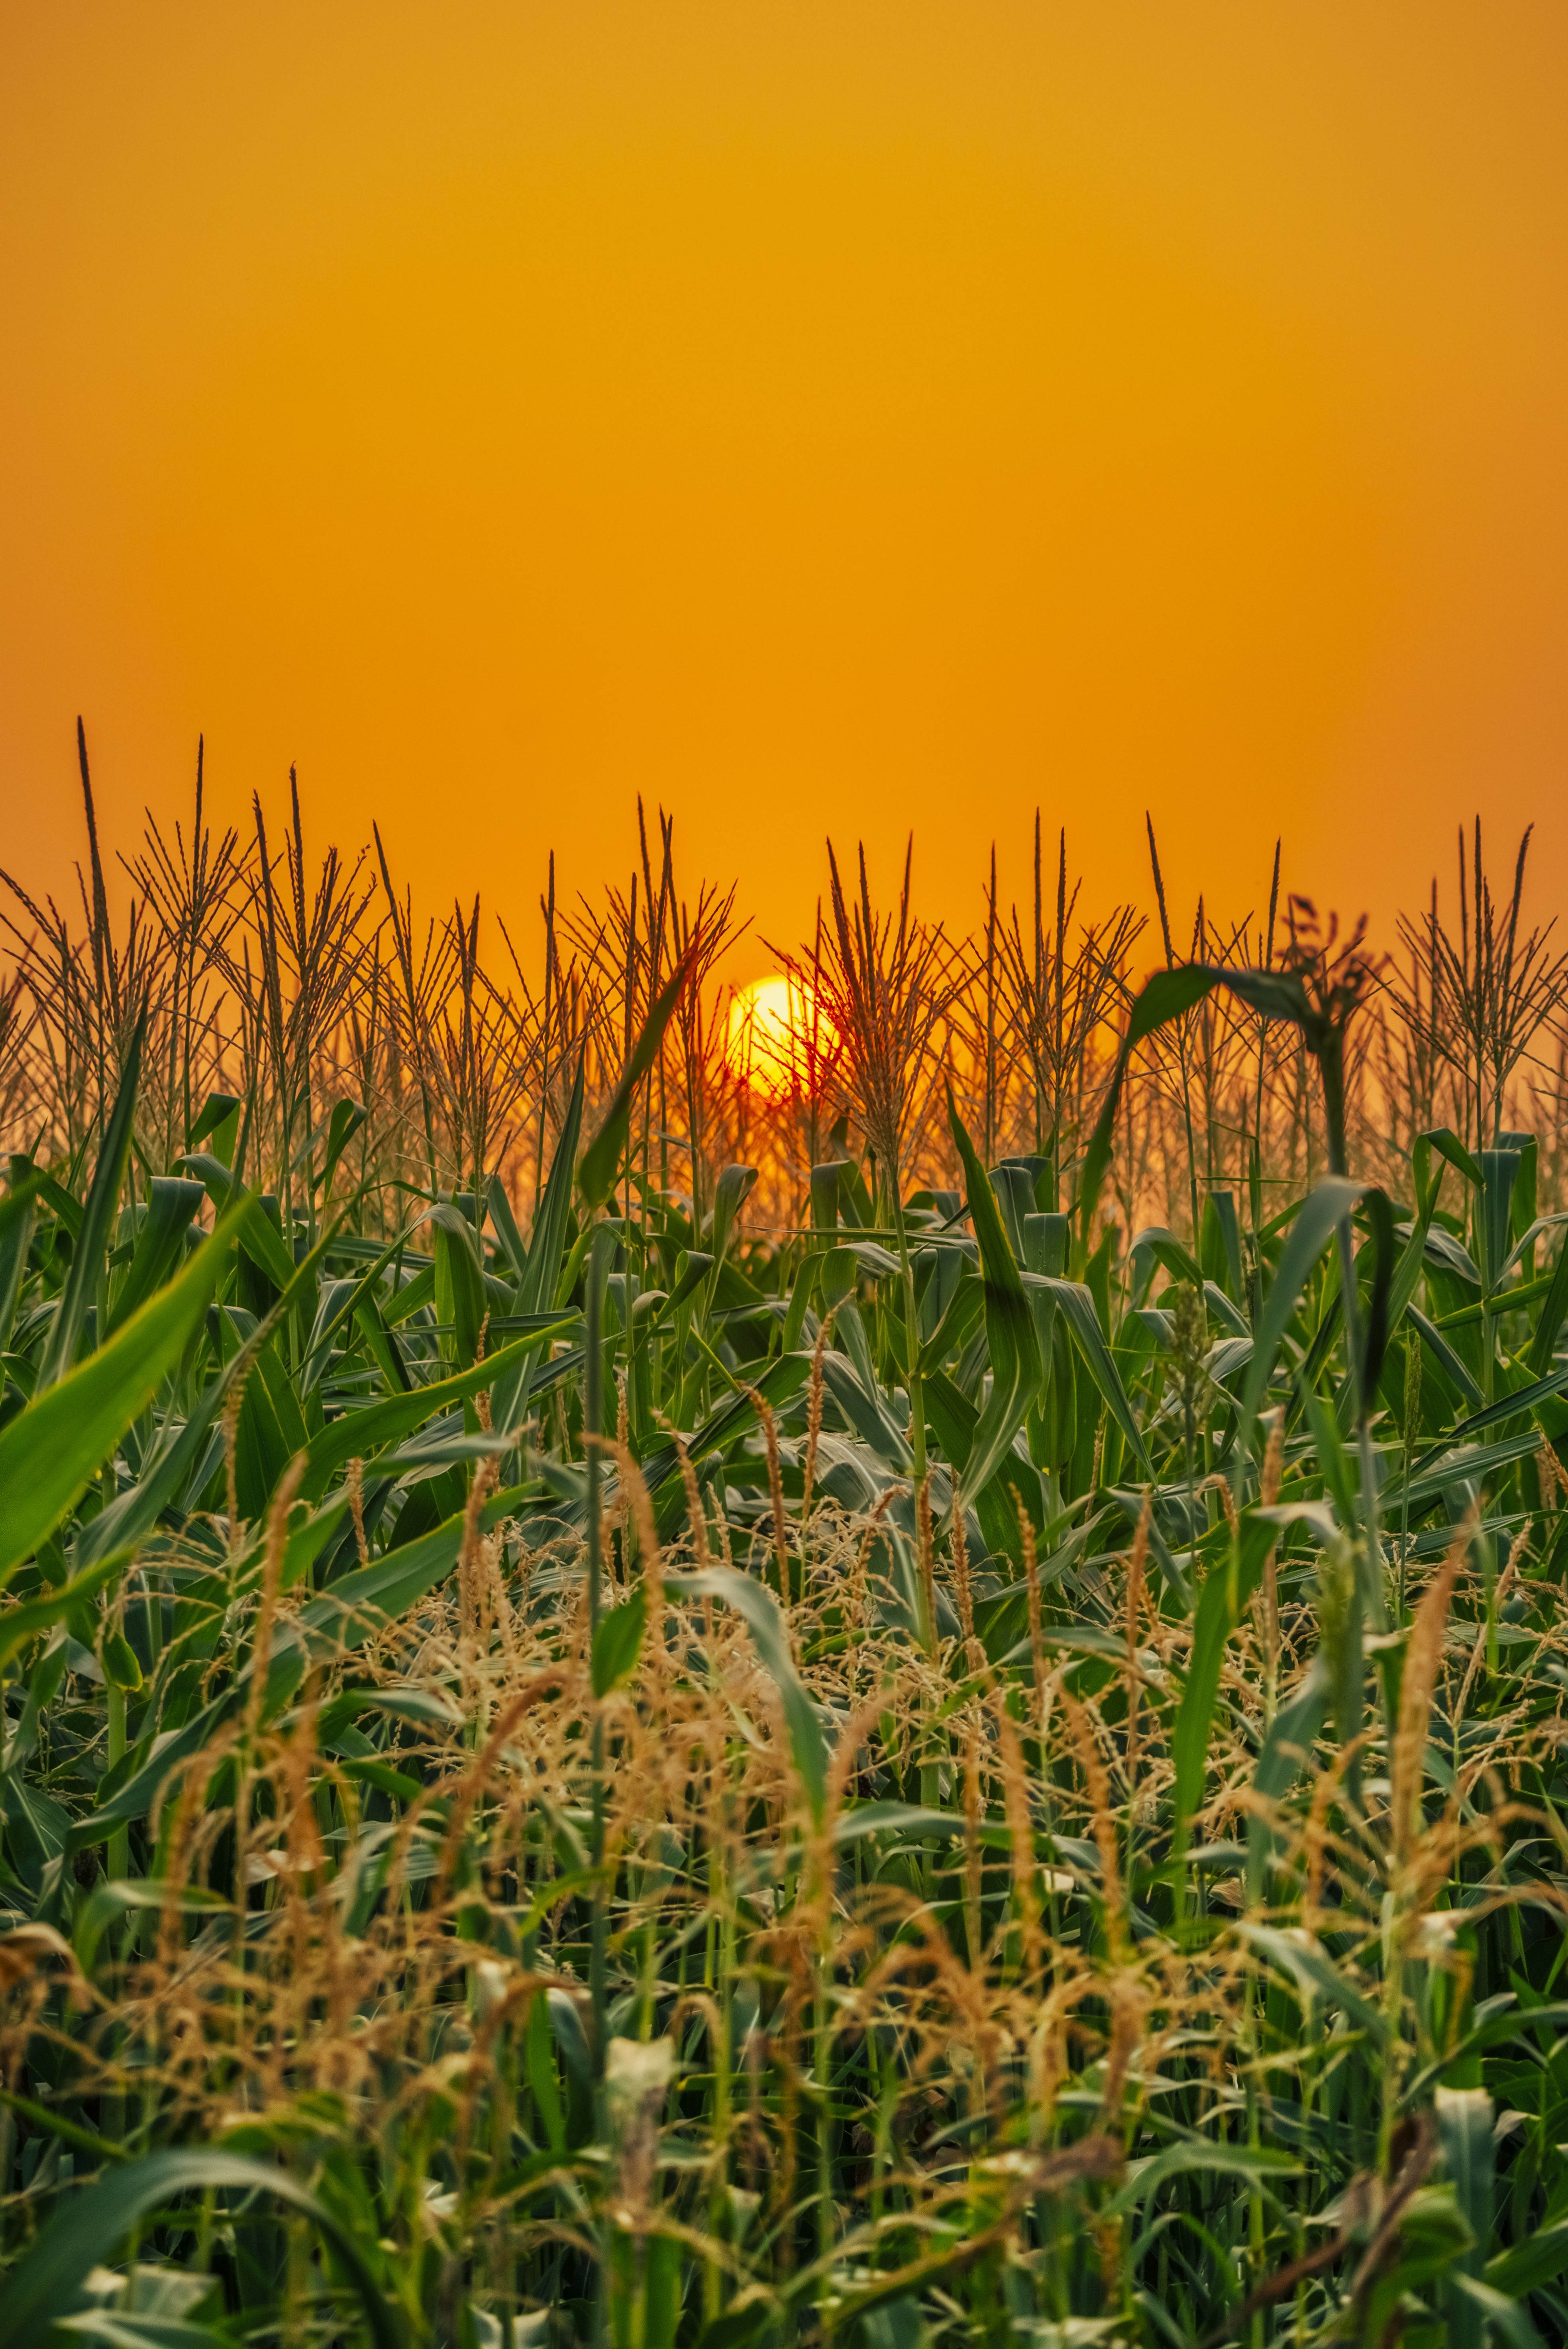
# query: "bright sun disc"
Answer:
x=769 y=1041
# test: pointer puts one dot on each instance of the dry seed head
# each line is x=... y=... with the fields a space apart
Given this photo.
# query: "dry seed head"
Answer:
x=1505 y=1581
x=973 y=1654
x=1103 y=1817
x=776 y=1494
x=1273 y=1459
x=1222 y=1485
x=1135 y=1596
x=972 y=1867
x=1020 y=1831
x=697 y=1514
x=234 y=1403
x=814 y=1419
x=355 y=1480
x=1423 y=1662
x=924 y=1558
x=1037 y=1628
x=272 y=1573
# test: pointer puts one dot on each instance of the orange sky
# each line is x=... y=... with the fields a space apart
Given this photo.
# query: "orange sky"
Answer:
x=840 y=415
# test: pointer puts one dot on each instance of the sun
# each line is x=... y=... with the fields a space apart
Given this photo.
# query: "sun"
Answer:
x=775 y=1035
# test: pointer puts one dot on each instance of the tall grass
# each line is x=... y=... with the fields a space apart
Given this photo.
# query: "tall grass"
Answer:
x=929 y=1707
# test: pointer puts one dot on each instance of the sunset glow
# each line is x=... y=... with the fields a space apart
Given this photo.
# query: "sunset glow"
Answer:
x=771 y=1041
x=812 y=418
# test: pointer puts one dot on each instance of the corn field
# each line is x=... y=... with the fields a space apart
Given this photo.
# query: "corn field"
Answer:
x=922 y=1703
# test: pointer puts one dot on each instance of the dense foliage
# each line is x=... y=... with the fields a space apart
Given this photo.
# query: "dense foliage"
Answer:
x=953 y=1728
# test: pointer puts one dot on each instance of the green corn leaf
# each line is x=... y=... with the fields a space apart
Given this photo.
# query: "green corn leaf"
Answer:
x=261 y=1240
x=1076 y=1307
x=957 y=1325
x=1464 y=2134
x=1321 y=1214
x=1452 y=1149
x=827 y=1185
x=1451 y=1364
x=92 y=1240
x=1221 y=1243
x=547 y=1247
x=1469 y=1464
x=334 y=1302
x=514 y=1247
x=413 y=1295
x=18 y=1211
x=362 y=1604
x=49 y=1450
x=1518 y=2023
x=109 y=1903
x=172 y=1207
x=1479 y=2307
x=857 y=1821
x=1295 y=1952
x=866 y=1413
x=22 y=1624
x=1526 y=2266
x=1539 y=1224
x=572 y=2045
x=540 y=2068
x=1017 y=1370
x=91 y=2227
x=347 y=1117
x=1157 y=1246
x=217 y=1111
x=602 y=1159
x=175 y=1455
x=1509 y=1406
x=354 y=1299
x=618 y=1643
x=734 y=1187
x=383 y=1345
x=539 y=1266
x=1500 y=1173
x=459 y=1279
x=1379 y=1313
x=784 y=1376
x=1168 y=996
x=1295 y=1729
x=56 y=1197
x=360 y=1433
x=1257 y=2165
x=1221 y=1605
x=1543 y=1343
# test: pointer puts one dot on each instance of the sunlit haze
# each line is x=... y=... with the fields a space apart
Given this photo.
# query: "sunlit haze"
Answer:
x=775 y=1031
x=813 y=418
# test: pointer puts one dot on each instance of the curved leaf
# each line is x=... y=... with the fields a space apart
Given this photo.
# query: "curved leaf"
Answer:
x=1017 y=1370
x=1322 y=1212
x=91 y=2227
x=757 y=1606
x=618 y=1641
x=1075 y=1305
x=602 y=1159
x=48 y=1451
x=1221 y=1605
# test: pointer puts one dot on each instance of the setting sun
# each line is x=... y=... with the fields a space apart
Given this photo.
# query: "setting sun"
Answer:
x=777 y=1034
